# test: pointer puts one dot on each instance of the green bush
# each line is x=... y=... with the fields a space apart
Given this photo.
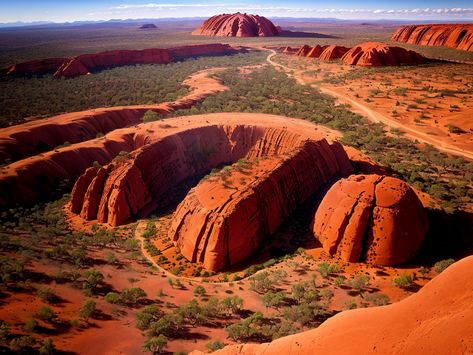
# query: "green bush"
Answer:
x=404 y=280
x=440 y=266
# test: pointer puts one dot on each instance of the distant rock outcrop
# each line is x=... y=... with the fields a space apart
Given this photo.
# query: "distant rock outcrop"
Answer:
x=148 y=26
x=371 y=218
x=436 y=320
x=237 y=25
x=456 y=36
x=333 y=52
x=375 y=54
x=41 y=66
x=224 y=218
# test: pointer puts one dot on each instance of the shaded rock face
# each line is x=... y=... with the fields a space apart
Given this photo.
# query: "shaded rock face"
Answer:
x=333 y=52
x=148 y=26
x=224 y=218
x=375 y=54
x=451 y=35
x=436 y=320
x=310 y=52
x=135 y=185
x=48 y=65
x=371 y=218
x=237 y=25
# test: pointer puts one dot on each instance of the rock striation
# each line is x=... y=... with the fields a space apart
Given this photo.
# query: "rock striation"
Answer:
x=86 y=63
x=371 y=218
x=436 y=320
x=223 y=220
x=376 y=54
x=456 y=36
x=237 y=25
x=333 y=52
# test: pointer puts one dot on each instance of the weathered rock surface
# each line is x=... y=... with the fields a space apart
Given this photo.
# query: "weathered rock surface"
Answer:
x=371 y=218
x=224 y=218
x=333 y=52
x=310 y=52
x=436 y=320
x=148 y=26
x=456 y=36
x=47 y=65
x=303 y=51
x=163 y=157
x=237 y=25
x=376 y=54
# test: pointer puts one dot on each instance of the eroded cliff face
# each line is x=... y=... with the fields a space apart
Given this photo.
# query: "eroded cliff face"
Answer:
x=41 y=66
x=224 y=218
x=237 y=25
x=436 y=320
x=375 y=54
x=309 y=52
x=333 y=52
x=456 y=36
x=371 y=218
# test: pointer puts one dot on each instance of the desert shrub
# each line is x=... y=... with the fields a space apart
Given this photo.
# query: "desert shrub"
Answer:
x=46 y=314
x=340 y=281
x=199 y=291
x=377 y=299
x=215 y=345
x=454 y=129
x=260 y=283
x=131 y=296
x=46 y=294
x=47 y=348
x=350 y=304
x=23 y=344
x=404 y=280
x=88 y=309
x=232 y=304
x=441 y=265
x=274 y=299
x=359 y=282
x=151 y=116
x=148 y=315
x=155 y=345
x=112 y=297
x=30 y=326
x=325 y=269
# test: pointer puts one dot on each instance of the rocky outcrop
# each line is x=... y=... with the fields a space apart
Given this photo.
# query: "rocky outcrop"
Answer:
x=42 y=66
x=237 y=25
x=451 y=35
x=436 y=320
x=87 y=63
x=310 y=52
x=303 y=51
x=289 y=50
x=333 y=52
x=371 y=218
x=225 y=217
x=148 y=26
x=376 y=54
x=136 y=184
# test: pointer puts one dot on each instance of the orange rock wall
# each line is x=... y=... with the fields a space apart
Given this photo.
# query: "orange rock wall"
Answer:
x=375 y=54
x=452 y=36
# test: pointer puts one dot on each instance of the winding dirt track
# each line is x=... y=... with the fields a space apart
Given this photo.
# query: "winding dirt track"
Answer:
x=374 y=116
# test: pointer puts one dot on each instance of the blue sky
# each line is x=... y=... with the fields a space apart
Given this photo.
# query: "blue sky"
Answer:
x=72 y=10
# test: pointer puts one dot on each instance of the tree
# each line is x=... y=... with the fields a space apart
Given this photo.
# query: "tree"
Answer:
x=46 y=314
x=148 y=315
x=233 y=304
x=260 y=283
x=155 y=345
x=150 y=116
x=47 y=348
x=199 y=291
x=274 y=299
x=215 y=345
x=131 y=296
x=88 y=309
x=93 y=278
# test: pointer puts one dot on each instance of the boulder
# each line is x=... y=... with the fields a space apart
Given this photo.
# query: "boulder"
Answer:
x=456 y=36
x=436 y=320
x=237 y=25
x=376 y=54
x=225 y=217
x=371 y=218
x=333 y=52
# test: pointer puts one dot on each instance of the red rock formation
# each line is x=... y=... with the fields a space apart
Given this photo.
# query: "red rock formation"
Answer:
x=48 y=65
x=451 y=35
x=436 y=320
x=237 y=25
x=375 y=54
x=223 y=220
x=148 y=26
x=201 y=50
x=316 y=51
x=371 y=218
x=303 y=51
x=289 y=50
x=333 y=52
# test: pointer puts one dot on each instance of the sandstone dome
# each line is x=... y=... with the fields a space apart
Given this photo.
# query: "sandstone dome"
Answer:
x=371 y=218
x=333 y=52
x=375 y=54
x=237 y=25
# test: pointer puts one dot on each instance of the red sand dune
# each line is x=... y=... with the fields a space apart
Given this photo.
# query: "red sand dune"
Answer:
x=135 y=186
x=456 y=36
x=372 y=218
x=437 y=320
x=375 y=54
x=333 y=52
x=253 y=198
x=85 y=63
x=237 y=25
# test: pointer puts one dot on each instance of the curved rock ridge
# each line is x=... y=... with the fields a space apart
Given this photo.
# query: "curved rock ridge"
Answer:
x=309 y=52
x=223 y=220
x=375 y=54
x=134 y=185
x=237 y=25
x=371 y=218
x=333 y=52
x=303 y=51
x=458 y=36
x=86 y=63
x=436 y=320
x=23 y=140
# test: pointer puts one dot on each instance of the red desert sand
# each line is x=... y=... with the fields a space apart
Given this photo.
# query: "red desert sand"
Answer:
x=456 y=36
x=237 y=25
x=437 y=320
x=372 y=218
